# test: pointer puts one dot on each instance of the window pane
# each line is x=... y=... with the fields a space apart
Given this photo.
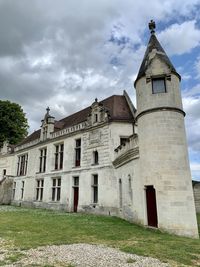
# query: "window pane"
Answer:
x=95 y=179
x=95 y=194
x=58 y=193
x=54 y=182
x=59 y=182
x=41 y=194
x=53 y=194
x=158 y=86
x=78 y=142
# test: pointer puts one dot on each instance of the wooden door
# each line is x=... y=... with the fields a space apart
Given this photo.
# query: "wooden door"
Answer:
x=151 y=206
x=76 y=191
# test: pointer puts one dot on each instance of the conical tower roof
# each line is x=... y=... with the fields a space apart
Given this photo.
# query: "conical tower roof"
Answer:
x=160 y=52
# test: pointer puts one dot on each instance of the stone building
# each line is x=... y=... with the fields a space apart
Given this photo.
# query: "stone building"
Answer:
x=112 y=159
x=196 y=189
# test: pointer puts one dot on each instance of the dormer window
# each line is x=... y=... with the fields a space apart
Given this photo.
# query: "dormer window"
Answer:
x=158 y=85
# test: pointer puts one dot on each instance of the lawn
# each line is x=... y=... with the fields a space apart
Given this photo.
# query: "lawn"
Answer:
x=30 y=228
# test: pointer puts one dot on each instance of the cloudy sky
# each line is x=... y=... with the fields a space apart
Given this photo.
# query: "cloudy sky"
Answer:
x=65 y=53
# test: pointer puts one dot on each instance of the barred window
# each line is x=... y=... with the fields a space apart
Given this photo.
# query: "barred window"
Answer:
x=39 y=189
x=56 y=189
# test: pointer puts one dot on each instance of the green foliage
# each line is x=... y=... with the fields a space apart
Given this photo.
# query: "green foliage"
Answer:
x=31 y=228
x=13 y=123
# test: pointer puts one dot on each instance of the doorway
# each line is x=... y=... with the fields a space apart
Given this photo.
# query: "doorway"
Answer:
x=76 y=193
x=151 y=206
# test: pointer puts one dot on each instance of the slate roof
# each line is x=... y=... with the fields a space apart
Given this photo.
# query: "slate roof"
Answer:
x=116 y=105
x=154 y=44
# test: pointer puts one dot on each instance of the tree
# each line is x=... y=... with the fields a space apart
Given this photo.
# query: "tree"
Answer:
x=13 y=123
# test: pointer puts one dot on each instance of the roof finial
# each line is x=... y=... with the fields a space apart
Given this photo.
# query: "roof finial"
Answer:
x=152 y=26
x=48 y=109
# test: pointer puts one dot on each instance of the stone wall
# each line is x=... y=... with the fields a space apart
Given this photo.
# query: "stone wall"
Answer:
x=196 y=189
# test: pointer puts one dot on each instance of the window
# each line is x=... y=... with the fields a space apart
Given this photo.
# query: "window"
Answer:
x=39 y=189
x=158 y=85
x=43 y=155
x=120 y=193
x=130 y=187
x=56 y=189
x=14 y=189
x=123 y=140
x=22 y=165
x=95 y=188
x=95 y=117
x=95 y=157
x=59 y=156
x=4 y=172
x=22 y=190
x=78 y=153
x=76 y=181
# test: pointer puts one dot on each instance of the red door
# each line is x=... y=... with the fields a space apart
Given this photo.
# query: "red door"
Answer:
x=151 y=206
x=75 y=198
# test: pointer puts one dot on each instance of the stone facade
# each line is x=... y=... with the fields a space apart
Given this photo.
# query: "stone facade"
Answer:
x=196 y=189
x=113 y=159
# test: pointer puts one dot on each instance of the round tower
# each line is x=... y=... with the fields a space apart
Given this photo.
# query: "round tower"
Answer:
x=164 y=166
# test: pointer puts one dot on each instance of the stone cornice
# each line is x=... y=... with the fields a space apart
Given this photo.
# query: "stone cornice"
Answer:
x=129 y=155
x=151 y=110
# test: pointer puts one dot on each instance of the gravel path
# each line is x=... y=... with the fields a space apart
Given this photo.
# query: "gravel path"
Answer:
x=81 y=255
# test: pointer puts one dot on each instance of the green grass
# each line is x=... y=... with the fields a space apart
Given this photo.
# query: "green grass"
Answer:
x=30 y=228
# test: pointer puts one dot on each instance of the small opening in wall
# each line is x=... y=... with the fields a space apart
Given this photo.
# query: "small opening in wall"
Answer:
x=95 y=157
x=158 y=85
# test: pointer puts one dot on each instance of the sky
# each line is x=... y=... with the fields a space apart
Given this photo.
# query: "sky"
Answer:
x=64 y=54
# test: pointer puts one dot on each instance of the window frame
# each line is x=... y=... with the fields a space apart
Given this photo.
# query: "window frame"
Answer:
x=22 y=164
x=77 y=162
x=95 y=157
x=95 y=188
x=43 y=160
x=39 y=189
x=154 y=79
x=56 y=189
x=58 y=156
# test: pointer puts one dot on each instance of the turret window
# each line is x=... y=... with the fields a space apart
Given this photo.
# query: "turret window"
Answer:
x=158 y=85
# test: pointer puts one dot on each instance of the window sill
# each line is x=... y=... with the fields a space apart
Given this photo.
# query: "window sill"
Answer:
x=94 y=164
x=40 y=172
x=57 y=170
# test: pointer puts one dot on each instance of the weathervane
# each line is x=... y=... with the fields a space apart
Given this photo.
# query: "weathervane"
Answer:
x=152 y=26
